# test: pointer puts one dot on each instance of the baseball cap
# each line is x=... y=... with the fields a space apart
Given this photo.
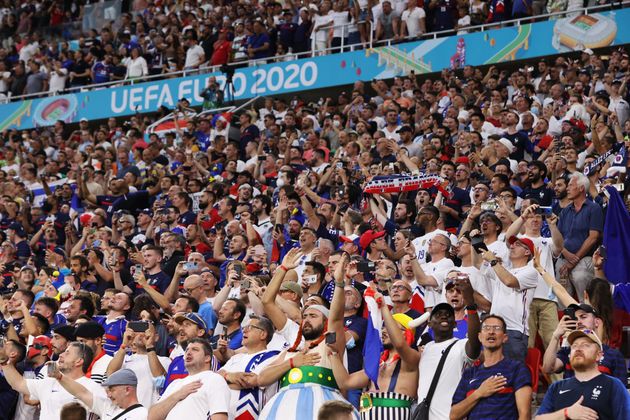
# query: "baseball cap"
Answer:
x=193 y=317
x=442 y=306
x=148 y=212
x=292 y=287
x=121 y=377
x=583 y=307
x=525 y=241
x=89 y=330
x=369 y=236
x=40 y=342
x=83 y=119
x=590 y=334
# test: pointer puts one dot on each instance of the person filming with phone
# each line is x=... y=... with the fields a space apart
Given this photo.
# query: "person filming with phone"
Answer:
x=578 y=317
x=73 y=363
x=543 y=316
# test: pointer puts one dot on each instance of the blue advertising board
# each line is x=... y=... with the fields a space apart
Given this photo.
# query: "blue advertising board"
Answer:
x=493 y=46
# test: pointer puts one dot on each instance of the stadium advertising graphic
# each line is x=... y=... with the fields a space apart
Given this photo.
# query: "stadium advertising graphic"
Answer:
x=479 y=48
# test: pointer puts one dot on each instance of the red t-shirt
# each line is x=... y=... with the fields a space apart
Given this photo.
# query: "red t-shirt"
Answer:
x=221 y=53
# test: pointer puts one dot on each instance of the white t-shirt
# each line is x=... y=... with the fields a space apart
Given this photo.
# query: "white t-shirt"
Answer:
x=52 y=396
x=478 y=281
x=321 y=34
x=107 y=410
x=456 y=361
x=57 y=80
x=421 y=243
x=212 y=398
x=439 y=270
x=339 y=19
x=147 y=393
x=98 y=373
x=194 y=55
x=412 y=20
x=239 y=363
x=545 y=245
x=500 y=250
x=513 y=303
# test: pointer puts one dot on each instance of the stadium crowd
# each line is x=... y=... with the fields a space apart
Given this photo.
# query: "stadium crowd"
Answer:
x=215 y=275
x=153 y=38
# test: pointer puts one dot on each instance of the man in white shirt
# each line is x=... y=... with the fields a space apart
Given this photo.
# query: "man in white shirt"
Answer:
x=431 y=275
x=201 y=395
x=543 y=312
x=427 y=218
x=195 y=55
x=244 y=365
x=143 y=361
x=413 y=20
x=512 y=293
x=463 y=353
x=91 y=334
x=121 y=402
x=74 y=362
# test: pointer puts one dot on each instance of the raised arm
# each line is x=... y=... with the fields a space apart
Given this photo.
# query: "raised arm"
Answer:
x=274 y=313
x=409 y=356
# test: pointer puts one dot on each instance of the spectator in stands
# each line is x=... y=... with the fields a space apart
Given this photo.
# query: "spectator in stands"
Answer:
x=73 y=363
x=209 y=389
x=512 y=307
x=460 y=353
x=574 y=397
x=412 y=21
x=480 y=390
x=581 y=225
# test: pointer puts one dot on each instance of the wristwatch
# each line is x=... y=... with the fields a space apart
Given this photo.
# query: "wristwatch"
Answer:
x=494 y=262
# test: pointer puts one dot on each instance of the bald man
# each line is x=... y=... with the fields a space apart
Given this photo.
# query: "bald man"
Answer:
x=194 y=287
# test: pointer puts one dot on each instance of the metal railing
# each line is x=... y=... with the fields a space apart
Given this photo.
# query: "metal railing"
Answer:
x=344 y=34
x=351 y=47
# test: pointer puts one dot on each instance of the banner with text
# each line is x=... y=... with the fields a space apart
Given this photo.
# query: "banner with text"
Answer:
x=480 y=48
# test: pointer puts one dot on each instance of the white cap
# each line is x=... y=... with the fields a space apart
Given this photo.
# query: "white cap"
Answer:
x=507 y=144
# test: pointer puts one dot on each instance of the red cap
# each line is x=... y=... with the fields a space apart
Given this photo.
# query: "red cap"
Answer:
x=369 y=236
x=38 y=344
x=525 y=241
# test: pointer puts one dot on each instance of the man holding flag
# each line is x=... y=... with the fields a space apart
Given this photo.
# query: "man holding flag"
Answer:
x=391 y=365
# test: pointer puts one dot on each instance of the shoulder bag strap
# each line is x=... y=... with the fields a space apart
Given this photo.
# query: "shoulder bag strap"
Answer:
x=438 y=372
x=130 y=408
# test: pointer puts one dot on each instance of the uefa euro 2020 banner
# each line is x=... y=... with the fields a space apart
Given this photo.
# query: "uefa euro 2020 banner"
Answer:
x=480 y=48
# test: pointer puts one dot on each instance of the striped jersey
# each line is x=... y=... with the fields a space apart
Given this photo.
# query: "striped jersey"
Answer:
x=114 y=331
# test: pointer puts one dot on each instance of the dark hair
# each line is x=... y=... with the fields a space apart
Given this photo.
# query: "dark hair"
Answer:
x=411 y=208
x=334 y=409
x=82 y=260
x=601 y=300
x=87 y=304
x=319 y=269
x=207 y=347
x=42 y=322
x=21 y=349
x=266 y=202
x=73 y=411
x=493 y=316
x=192 y=304
x=184 y=196
x=239 y=307
x=50 y=303
x=86 y=352
x=266 y=325
x=28 y=295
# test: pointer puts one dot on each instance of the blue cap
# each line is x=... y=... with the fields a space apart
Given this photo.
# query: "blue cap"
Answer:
x=193 y=317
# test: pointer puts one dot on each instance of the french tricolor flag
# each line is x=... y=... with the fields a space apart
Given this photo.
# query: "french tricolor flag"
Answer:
x=373 y=346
